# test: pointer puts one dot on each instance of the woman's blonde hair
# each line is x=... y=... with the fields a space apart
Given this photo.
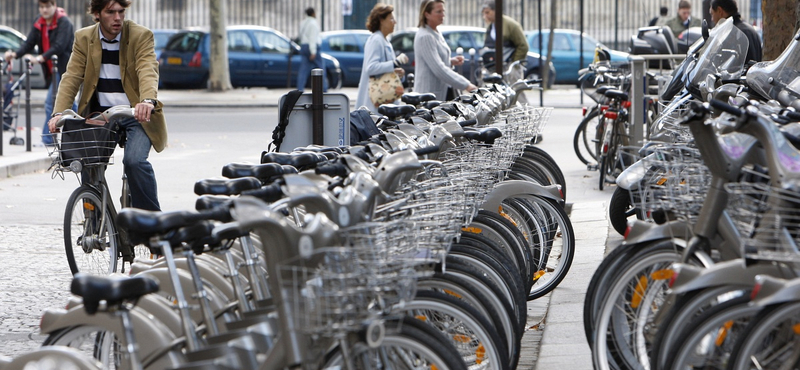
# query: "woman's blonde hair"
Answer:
x=426 y=7
x=379 y=12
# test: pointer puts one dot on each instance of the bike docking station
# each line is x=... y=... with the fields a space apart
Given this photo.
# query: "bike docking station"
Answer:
x=317 y=118
x=10 y=113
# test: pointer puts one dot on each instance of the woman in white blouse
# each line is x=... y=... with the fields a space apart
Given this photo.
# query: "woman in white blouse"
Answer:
x=433 y=70
x=378 y=52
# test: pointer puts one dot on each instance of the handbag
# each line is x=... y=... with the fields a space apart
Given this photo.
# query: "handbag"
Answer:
x=385 y=89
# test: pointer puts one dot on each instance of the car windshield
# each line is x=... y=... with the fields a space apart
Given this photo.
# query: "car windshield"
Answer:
x=272 y=43
x=9 y=41
x=161 y=39
x=185 y=42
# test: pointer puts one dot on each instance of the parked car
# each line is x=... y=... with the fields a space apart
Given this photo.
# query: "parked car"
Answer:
x=11 y=39
x=161 y=37
x=347 y=46
x=257 y=56
x=566 y=55
x=463 y=37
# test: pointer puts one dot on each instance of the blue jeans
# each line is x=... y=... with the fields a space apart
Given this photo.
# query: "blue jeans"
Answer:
x=306 y=66
x=141 y=177
x=49 y=102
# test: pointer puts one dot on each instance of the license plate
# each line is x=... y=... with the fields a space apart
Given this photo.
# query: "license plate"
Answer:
x=174 y=60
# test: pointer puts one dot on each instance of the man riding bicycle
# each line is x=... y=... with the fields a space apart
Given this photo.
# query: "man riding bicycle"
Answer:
x=115 y=62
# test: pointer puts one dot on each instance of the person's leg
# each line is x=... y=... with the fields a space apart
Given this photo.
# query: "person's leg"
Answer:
x=303 y=72
x=49 y=101
x=141 y=177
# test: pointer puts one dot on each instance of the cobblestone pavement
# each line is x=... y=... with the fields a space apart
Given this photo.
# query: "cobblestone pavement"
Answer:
x=28 y=253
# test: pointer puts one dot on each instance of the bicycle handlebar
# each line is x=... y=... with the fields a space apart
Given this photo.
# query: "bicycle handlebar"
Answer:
x=110 y=114
x=725 y=107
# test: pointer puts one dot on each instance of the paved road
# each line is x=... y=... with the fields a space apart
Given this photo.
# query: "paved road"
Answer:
x=35 y=275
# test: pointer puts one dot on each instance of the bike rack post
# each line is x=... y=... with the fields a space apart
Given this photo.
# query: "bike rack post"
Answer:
x=316 y=107
x=638 y=86
x=28 y=69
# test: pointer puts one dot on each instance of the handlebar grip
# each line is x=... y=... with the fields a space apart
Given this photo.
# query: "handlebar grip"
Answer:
x=269 y=193
x=533 y=81
x=426 y=150
x=725 y=107
x=333 y=169
x=469 y=122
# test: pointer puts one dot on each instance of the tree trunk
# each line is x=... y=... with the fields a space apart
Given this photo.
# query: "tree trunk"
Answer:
x=219 y=78
x=780 y=21
x=544 y=70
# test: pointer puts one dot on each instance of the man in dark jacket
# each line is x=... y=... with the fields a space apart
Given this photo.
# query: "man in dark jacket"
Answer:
x=721 y=9
x=54 y=34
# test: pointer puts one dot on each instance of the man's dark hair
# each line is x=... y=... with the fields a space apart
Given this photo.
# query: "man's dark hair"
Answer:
x=310 y=12
x=52 y=2
x=97 y=6
x=729 y=6
x=663 y=11
x=684 y=4
x=488 y=4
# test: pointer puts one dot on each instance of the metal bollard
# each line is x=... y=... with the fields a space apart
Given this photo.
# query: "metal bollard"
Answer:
x=2 y=104
x=317 y=136
x=29 y=68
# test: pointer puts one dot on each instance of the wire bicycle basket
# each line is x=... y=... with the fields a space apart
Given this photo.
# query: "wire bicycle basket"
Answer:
x=87 y=143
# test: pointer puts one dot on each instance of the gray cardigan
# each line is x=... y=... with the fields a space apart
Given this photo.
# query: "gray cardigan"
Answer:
x=433 y=73
x=378 y=59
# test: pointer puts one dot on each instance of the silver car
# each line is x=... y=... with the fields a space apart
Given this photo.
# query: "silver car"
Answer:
x=11 y=39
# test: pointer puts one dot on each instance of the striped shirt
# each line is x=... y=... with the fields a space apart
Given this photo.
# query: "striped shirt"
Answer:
x=109 y=86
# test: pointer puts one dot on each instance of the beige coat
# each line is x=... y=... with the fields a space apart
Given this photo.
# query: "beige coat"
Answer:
x=138 y=68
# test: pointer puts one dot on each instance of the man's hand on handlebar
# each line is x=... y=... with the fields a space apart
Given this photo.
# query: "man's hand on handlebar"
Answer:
x=142 y=112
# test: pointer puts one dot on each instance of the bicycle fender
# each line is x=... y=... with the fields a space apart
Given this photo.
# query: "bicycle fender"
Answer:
x=644 y=232
x=211 y=277
x=776 y=291
x=216 y=301
x=734 y=272
x=155 y=304
x=511 y=188
x=151 y=335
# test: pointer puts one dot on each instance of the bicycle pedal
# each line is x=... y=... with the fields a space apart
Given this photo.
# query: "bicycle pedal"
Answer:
x=592 y=167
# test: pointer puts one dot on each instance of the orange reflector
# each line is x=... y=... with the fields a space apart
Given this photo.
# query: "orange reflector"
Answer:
x=661 y=181
x=638 y=293
x=461 y=338
x=723 y=333
x=472 y=230
x=538 y=275
x=796 y=329
x=662 y=274
x=421 y=318
x=88 y=206
x=452 y=293
x=480 y=354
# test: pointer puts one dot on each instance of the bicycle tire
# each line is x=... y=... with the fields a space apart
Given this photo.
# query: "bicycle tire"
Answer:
x=502 y=223
x=78 y=228
x=85 y=339
x=406 y=345
x=602 y=168
x=492 y=232
x=549 y=164
x=558 y=250
x=713 y=335
x=672 y=325
x=632 y=295
x=775 y=324
x=620 y=209
x=581 y=141
x=471 y=334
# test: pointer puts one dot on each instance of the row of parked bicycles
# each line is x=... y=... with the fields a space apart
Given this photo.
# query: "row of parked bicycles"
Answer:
x=707 y=274
x=417 y=248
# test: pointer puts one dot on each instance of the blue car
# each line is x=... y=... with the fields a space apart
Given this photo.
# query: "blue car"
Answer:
x=347 y=46
x=566 y=56
x=257 y=56
x=161 y=37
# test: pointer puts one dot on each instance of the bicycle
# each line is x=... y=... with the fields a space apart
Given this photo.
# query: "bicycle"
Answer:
x=92 y=240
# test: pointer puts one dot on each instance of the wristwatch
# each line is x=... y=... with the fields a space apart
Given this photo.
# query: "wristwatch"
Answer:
x=150 y=101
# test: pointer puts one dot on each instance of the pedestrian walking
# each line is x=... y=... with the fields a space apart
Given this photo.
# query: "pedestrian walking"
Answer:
x=310 y=57
x=379 y=55
x=105 y=52
x=684 y=20
x=53 y=33
x=433 y=70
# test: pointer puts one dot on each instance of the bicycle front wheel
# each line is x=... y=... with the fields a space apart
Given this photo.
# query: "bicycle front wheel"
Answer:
x=90 y=235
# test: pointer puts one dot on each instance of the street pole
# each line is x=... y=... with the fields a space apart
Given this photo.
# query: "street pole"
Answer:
x=317 y=136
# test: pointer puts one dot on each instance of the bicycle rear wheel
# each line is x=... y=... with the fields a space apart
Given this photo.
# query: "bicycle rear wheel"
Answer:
x=89 y=248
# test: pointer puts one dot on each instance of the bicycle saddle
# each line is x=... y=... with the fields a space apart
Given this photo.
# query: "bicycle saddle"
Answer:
x=114 y=289
x=394 y=110
x=493 y=78
x=415 y=98
x=469 y=99
x=226 y=186
x=266 y=172
x=424 y=114
x=602 y=89
x=450 y=108
x=485 y=135
x=616 y=94
x=431 y=104
x=300 y=161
